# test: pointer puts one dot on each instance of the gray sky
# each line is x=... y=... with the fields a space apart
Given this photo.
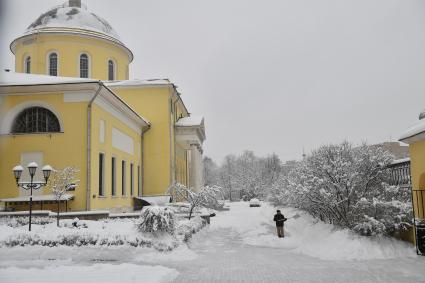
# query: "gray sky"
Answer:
x=272 y=75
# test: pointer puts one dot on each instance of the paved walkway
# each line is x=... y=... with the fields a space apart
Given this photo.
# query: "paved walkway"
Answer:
x=224 y=258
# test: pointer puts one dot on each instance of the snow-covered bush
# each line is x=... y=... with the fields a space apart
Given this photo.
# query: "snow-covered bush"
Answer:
x=347 y=186
x=15 y=222
x=155 y=219
x=369 y=227
x=204 y=197
x=186 y=228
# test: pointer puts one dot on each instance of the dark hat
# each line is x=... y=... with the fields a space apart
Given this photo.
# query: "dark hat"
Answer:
x=278 y=210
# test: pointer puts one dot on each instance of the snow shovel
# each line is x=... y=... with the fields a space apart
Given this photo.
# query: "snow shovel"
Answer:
x=295 y=216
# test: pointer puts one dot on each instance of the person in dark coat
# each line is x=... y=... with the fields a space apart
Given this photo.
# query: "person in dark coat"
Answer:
x=279 y=218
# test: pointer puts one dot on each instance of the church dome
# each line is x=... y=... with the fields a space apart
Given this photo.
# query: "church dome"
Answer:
x=74 y=17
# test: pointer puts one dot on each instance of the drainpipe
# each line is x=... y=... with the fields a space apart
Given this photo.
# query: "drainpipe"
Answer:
x=142 y=159
x=89 y=110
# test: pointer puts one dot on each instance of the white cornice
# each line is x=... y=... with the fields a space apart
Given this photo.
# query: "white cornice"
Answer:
x=74 y=31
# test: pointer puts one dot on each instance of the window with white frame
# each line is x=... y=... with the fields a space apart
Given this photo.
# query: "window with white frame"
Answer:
x=131 y=179
x=36 y=120
x=123 y=176
x=27 y=65
x=53 y=64
x=101 y=174
x=84 y=66
x=139 y=182
x=114 y=177
x=111 y=70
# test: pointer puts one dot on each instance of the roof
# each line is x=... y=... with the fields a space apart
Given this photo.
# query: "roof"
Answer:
x=155 y=200
x=11 y=79
x=191 y=121
x=37 y=198
x=72 y=17
x=138 y=82
x=412 y=133
x=15 y=79
x=402 y=160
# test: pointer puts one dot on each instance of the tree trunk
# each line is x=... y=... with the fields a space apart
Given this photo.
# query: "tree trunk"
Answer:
x=190 y=212
x=57 y=218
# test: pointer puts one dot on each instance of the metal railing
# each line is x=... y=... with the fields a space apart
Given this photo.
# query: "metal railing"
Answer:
x=418 y=205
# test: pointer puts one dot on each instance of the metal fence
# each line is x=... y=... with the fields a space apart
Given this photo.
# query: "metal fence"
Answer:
x=418 y=202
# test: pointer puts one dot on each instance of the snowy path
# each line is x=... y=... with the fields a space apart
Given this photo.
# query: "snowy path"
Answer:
x=226 y=256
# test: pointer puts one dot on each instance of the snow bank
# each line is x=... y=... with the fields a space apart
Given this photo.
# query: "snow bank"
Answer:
x=111 y=232
x=306 y=235
x=104 y=273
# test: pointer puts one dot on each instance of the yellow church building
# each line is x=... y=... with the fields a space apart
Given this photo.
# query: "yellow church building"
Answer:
x=71 y=103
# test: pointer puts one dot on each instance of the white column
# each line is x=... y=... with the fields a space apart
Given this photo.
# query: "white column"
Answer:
x=196 y=167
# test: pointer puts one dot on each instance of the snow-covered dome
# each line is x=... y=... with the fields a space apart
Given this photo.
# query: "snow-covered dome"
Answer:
x=72 y=15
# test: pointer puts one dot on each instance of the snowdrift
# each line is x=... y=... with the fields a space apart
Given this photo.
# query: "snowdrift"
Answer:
x=306 y=235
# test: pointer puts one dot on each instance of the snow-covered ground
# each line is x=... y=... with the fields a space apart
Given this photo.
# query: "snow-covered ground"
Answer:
x=239 y=245
x=306 y=235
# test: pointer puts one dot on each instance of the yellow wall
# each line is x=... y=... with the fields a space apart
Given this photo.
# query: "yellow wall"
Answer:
x=69 y=48
x=118 y=202
x=51 y=145
x=69 y=148
x=417 y=154
x=154 y=104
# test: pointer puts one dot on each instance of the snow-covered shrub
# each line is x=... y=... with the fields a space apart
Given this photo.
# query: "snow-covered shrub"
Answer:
x=18 y=221
x=370 y=227
x=186 y=228
x=347 y=186
x=155 y=219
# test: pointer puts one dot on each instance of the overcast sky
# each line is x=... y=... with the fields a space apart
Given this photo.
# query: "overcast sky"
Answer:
x=271 y=76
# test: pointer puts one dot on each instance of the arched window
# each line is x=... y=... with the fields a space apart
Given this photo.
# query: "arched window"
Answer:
x=35 y=120
x=111 y=70
x=84 y=66
x=27 y=66
x=53 y=64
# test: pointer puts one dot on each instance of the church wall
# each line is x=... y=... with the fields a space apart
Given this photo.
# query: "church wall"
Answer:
x=153 y=104
x=69 y=48
x=59 y=150
x=123 y=143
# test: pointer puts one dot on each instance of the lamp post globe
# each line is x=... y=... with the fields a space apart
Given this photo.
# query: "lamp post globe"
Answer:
x=47 y=169
x=17 y=172
x=32 y=167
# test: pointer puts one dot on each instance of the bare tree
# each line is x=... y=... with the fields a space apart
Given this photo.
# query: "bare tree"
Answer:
x=205 y=197
x=62 y=181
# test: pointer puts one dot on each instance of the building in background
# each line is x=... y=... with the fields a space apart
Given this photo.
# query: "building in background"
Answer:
x=415 y=137
x=71 y=103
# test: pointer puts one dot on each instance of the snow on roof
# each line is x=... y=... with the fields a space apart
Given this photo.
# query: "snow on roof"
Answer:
x=11 y=79
x=402 y=160
x=137 y=82
x=414 y=130
x=63 y=16
x=37 y=198
x=156 y=200
x=190 y=121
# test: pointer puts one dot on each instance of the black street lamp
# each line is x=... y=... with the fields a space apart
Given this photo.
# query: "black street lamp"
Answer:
x=32 y=168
